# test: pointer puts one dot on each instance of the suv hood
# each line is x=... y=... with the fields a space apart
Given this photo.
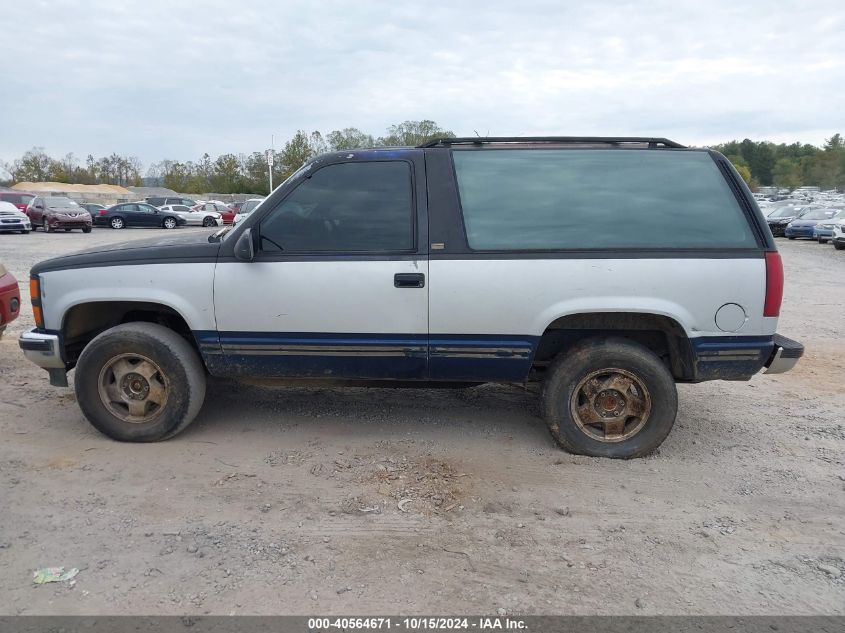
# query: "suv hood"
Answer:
x=168 y=249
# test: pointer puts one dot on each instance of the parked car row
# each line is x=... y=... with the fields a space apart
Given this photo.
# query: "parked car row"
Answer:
x=810 y=221
x=55 y=213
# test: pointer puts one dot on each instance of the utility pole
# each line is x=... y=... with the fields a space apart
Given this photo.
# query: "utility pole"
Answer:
x=270 y=156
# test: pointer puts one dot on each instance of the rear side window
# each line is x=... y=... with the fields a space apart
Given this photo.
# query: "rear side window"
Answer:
x=345 y=208
x=597 y=199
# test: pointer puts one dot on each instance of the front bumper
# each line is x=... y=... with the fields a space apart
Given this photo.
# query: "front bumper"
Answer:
x=17 y=225
x=784 y=355
x=44 y=350
x=798 y=232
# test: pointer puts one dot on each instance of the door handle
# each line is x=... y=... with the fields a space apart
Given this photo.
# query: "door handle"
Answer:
x=409 y=280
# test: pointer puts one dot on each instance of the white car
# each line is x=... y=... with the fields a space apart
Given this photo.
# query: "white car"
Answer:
x=194 y=217
x=12 y=219
x=248 y=207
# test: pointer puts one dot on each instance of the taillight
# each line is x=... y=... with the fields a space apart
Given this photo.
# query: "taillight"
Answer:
x=774 y=284
x=102 y=211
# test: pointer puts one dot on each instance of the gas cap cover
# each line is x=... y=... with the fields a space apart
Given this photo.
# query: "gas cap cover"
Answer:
x=731 y=317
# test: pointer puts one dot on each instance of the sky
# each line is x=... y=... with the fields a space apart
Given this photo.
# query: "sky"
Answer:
x=174 y=79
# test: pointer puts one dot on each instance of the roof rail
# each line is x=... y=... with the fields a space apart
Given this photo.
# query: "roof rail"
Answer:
x=575 y=140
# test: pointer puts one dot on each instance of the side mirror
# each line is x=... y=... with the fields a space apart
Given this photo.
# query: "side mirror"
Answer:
x=244 y=249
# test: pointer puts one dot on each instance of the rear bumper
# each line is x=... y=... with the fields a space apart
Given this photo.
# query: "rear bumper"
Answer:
x=785 y=354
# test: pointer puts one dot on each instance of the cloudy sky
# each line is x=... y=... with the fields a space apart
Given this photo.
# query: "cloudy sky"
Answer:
x=173 y=79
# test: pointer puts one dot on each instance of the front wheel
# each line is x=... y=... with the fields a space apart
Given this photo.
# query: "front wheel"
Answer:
x=609 y=398
x=838 y=246
x=117 y=223
x=791 y=237
x=87 y=229
x=169 y=223
x=46 y=226
x=139 y=382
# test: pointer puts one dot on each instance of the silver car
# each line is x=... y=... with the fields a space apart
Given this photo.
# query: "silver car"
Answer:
x=194 y=217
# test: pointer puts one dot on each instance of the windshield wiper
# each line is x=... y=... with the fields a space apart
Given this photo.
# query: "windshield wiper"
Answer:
x=217 y=236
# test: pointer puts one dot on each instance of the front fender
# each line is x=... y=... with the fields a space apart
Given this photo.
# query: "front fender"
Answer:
x=187 y=288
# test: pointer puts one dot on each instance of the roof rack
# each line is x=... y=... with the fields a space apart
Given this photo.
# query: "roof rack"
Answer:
x=560 y=140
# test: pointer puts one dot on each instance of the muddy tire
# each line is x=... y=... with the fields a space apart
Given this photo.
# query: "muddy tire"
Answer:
x=609 y=397
x=139 y=382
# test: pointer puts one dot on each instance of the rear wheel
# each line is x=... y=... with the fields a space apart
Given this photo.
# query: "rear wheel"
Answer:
x=822 y=240
x=169 y=223
x=609 y=398
x=139 y=382
x=117 y=223
x=208 y=221
x=838 y=246
x=792 y=238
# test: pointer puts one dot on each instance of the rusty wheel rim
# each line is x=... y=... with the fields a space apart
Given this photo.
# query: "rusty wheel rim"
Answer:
x=133 y=388
x=610 y=405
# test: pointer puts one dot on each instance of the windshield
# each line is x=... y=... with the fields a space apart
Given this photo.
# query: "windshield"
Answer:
x=784 y=212
x=820 y=214
x=59 y=203
x=249 y=205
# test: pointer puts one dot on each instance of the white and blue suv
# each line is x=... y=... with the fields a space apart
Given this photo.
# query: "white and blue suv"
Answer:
x=604 y=269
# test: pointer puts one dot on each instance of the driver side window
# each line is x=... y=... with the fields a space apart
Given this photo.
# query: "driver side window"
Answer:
x=345 y=208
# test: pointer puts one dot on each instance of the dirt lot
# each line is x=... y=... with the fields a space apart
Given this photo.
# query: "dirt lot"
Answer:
x=285 y=500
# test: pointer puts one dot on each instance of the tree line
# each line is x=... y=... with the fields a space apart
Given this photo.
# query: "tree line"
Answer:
x=228 y=173
x=788 y=166
x=759 y=162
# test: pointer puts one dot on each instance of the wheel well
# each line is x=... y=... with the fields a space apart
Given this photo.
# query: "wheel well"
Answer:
x=662 y=335
x=85 y=321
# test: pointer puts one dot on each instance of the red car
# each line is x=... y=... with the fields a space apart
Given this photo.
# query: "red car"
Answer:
x=10 y=299
x=228 y=214
x=18 y=198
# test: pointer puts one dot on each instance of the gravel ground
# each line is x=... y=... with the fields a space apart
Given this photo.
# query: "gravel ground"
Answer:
x=286 y=500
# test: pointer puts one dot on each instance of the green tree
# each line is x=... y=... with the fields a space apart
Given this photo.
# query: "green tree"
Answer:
x=296 y=151
x=226 y=175
x=741 y=167
x=33 y=166
x=413 y=133
x=787 y=173
x=349 y=138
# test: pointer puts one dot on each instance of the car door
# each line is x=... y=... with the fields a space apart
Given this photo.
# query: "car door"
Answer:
x=337 y=287
x=35 y=210
x=148 y=215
